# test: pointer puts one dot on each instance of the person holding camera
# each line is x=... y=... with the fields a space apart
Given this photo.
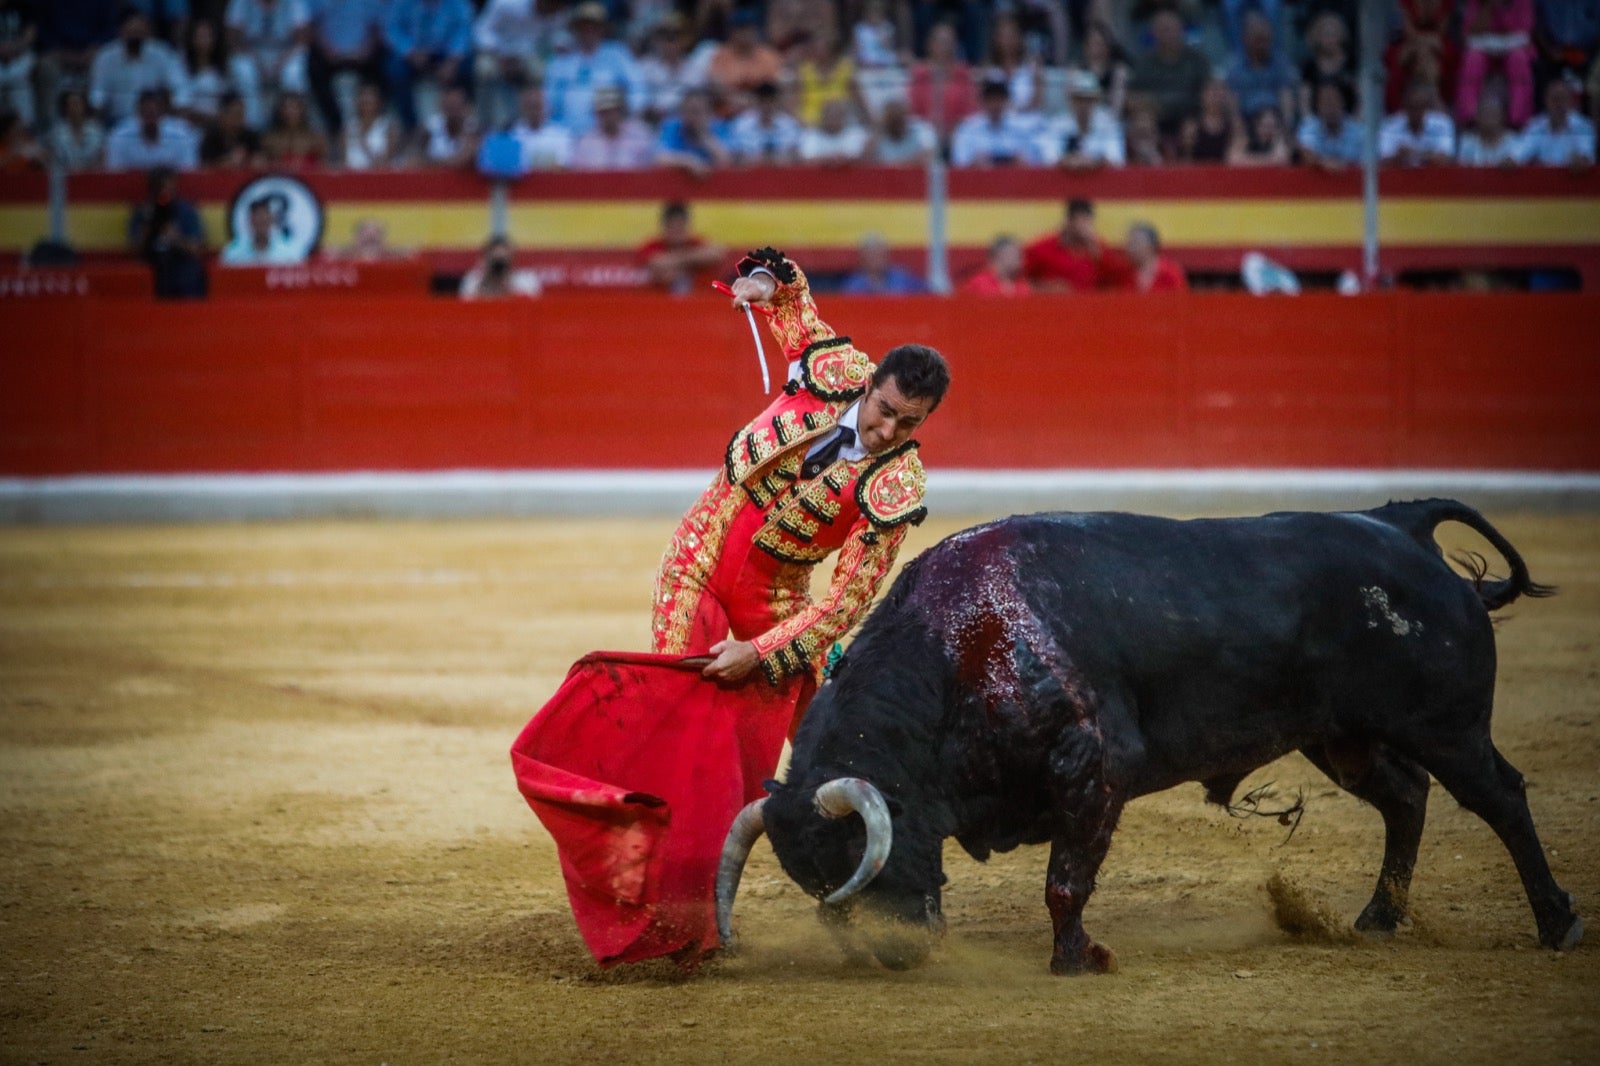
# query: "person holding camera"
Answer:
x=166 y=232
x=493 y=277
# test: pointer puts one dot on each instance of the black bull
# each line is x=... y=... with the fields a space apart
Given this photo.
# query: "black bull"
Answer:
x=1023 y=680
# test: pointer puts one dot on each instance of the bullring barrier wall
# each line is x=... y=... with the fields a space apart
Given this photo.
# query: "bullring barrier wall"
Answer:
x=626 y=381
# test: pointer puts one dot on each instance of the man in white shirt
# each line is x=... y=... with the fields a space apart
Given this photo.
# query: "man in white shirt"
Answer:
x=152 y=138
x=545 y=145
x=994 y=135
x=835 y=140
x=764 y=133
x=1088 y=136
x=1491 y=144
x=901 y=138
x=1419 y=135
x=1560 y=137
x=1328 y=139
x=262 y=243
x=131 y=64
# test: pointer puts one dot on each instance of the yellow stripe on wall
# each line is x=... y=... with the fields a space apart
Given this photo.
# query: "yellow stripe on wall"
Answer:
x=625 y=224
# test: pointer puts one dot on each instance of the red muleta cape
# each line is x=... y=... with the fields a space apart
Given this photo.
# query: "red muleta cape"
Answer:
x=637 y=767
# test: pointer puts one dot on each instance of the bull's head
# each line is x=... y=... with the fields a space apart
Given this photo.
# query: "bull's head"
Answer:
x=835 y=841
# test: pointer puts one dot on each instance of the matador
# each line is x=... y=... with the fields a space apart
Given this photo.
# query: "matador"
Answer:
x=829 y=466
x=638 y=765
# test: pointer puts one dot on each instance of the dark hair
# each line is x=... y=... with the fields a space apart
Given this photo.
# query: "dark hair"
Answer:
x=262 y=202
x=1347 y=100
x=996 y=88
x=1002 y=241
x=917 y=370
x=219 y=45
x=157 y=177
x=674 y=209
x=1079 y=206
x=68 y=93
x=1149 y=231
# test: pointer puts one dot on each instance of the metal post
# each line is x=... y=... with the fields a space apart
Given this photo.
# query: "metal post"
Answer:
x=1374 y=27
x=58 y=202
x=499 y=210
x=938 y=239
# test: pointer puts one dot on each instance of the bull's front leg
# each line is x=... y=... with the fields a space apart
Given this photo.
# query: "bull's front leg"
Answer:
x=1074 y=860
x=1089 y=812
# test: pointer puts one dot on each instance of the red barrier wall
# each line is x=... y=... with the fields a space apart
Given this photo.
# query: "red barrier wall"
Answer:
x=370 y=383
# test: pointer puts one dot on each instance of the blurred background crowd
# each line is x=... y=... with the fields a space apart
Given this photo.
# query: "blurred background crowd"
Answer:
x=707 y=84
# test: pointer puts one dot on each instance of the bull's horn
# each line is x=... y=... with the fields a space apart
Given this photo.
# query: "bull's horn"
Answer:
x=746 y=828
x=842 y=796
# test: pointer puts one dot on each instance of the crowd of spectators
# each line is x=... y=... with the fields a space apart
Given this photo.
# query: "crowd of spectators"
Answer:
x=708 y=84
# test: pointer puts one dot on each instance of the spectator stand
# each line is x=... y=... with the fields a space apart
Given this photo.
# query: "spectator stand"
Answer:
x=583 y=230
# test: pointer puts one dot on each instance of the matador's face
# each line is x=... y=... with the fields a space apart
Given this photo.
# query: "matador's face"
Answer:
x=888 y=417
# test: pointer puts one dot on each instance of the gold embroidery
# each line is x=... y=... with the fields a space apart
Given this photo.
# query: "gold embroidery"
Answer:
x=890 y=492
x=834 y=370
x=687 y=565
x=788 y=428
x=791 y=646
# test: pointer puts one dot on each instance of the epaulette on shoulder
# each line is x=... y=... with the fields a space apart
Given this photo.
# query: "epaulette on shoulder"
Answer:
x=890 y=491
x=834 y=370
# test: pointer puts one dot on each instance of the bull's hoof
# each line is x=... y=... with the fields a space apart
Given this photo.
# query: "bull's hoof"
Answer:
x=1569 y=939
x=904 y=951
x=1566 y=931
x=1096 y=958
x=1378 y=922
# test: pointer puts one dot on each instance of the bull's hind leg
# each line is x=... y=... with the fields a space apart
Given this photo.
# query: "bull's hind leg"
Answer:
x=1483 y=782
x=1398 y=789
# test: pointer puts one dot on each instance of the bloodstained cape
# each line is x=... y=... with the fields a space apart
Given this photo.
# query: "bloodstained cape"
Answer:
x=637 y=766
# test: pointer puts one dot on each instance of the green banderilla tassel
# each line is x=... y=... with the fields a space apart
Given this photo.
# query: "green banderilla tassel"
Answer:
x=835 y=653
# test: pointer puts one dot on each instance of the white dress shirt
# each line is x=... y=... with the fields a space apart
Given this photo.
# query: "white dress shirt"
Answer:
x=1438 y=134
x=978 y=141
x=1103 y=140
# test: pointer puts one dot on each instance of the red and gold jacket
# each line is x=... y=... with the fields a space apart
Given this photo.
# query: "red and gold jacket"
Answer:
x=859 y=508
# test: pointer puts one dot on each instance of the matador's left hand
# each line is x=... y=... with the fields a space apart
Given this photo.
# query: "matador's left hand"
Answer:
x=733 y=662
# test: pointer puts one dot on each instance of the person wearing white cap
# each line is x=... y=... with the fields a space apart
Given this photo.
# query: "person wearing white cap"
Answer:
x=616 y=142
x=1088 y=135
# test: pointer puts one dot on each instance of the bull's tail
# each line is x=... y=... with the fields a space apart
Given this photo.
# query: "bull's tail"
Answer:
x=1422 y=517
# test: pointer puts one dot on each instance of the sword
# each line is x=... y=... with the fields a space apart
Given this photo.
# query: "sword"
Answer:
x=755 y=334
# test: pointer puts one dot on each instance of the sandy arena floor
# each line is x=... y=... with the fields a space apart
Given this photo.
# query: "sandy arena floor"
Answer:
x=255 y=806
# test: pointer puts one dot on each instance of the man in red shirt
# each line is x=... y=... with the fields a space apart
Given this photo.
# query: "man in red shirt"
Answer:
x=1071 y=260
x=1002 y=276
x=679 y=261
x=1143 y=268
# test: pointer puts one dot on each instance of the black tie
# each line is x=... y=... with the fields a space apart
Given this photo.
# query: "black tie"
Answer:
x=830 y=451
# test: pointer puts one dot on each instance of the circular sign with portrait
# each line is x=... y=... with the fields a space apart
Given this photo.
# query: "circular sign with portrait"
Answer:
x=297 y=213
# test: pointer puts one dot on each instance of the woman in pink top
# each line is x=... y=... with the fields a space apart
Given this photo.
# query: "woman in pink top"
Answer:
x=1497 y=31
x=942 y=89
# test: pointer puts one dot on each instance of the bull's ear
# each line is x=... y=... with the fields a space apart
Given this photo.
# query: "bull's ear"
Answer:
x=771 y=784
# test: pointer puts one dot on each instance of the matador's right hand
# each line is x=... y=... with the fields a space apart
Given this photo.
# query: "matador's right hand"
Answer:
x=756 y=289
